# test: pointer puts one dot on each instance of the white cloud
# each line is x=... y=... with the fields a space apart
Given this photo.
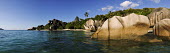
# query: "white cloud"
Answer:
x=125 y=4
x=107 y=8
x=156 y=1
x=128 y=4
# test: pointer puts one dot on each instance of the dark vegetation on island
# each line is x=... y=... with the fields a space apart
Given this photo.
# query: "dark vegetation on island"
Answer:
x=1 y=29
x=78 y=22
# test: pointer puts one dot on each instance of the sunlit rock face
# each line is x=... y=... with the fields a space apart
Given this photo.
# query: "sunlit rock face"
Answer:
x=162 y=28
x=126 y=27
x=158 y=14
x=89 y=25
x=92 y=25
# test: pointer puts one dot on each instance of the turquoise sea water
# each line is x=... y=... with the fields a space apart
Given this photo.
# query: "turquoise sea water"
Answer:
x=22 y=41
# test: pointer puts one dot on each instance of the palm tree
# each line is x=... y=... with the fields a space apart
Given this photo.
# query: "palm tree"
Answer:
x=86 y=14
x=76 y=19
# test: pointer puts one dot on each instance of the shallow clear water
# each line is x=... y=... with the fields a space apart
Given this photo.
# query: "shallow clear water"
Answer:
x=13 y=41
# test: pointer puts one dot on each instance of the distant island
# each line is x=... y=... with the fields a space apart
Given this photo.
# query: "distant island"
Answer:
x=1 y=29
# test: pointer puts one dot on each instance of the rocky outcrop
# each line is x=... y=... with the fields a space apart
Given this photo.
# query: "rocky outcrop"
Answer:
x=92 y=25
x=89 y=25
x=162 y=28
x=123 y=27
x=158 y=14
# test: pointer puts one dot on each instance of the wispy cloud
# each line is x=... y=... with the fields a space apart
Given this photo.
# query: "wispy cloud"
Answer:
x=139 y=1
x=120 y=8
x=113 y=10
x=134 y=5
x=88 y=11
x=107 y=8
x=156 y=1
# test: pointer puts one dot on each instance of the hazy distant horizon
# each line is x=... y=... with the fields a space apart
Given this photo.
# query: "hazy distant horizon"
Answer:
x=24 y=14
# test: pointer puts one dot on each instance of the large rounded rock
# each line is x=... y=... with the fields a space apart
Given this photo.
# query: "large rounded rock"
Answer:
x=89 y=25
x=162 y=28
x=158 y=14
x=92 y=25
x=123 y=27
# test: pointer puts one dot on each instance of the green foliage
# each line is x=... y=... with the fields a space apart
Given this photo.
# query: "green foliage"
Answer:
x=76 y=25
x=40 y=27
x=144 y=11
x=47 y=26
x=100 y=17
x=52 y=25
x=86 y=14
x=69 y=26
x=60 y=27
x=76 y=19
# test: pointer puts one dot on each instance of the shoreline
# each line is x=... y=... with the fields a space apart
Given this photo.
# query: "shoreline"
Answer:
x=63 y=30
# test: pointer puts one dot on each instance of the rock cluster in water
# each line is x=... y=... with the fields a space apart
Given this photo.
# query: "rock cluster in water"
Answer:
x=92 y=25
x=134 y=25
x=158 y=14
x=162 y=28
x=121 y=27
x=160 y=19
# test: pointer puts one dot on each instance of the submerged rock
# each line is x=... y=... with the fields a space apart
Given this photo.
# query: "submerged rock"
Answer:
x=162 y=28
x=126 y=27
x=92 y=25
x=158 y=14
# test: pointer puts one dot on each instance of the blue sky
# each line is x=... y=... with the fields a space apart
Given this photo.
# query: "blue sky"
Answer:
x=24 y=14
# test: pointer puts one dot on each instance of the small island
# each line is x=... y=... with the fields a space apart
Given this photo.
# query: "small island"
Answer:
x=1 y=29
